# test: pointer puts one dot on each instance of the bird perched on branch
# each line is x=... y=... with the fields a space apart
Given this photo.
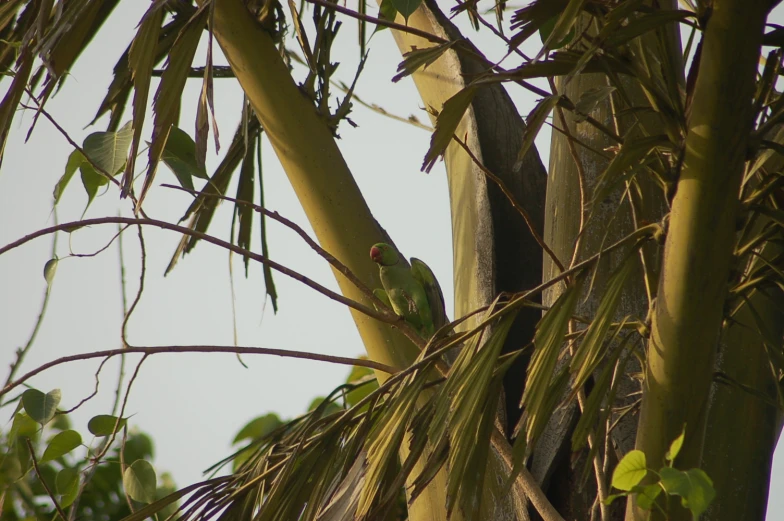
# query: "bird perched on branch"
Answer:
x=412 y=291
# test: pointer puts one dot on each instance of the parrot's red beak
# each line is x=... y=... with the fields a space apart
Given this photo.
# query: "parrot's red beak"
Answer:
x=375 y=254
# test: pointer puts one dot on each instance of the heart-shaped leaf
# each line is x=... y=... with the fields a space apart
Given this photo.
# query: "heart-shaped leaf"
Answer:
x=630 y=470
x=104 y=424
x=139 y=481
x=63 y=443
x=39 y=406
x=67 y=485
x=406 y=7
x=108 y=151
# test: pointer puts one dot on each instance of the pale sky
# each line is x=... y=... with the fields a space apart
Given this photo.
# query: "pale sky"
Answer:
x=192 y=405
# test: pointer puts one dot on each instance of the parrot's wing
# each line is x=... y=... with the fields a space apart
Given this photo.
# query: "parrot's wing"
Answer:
x=435 y=298
x=383 y=297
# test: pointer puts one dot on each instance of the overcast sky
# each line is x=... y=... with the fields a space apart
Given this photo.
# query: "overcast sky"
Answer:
x=193 y=404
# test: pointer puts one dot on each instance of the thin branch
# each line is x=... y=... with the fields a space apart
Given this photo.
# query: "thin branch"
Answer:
x=522 y=211
x=378 y=21
x=119 y=417
x=107 y=441
x=138 y=297
x=153 y=350
x=643 y=233
x=124 y=298
x=43 y=481
x=97 y=252
x=411 y=120
x=95 y=390
x=22 y=352
x=386 y=317
x=275 y=216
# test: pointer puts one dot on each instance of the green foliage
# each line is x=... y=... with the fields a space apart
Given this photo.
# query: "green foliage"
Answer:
x=50 y=268
x=39 y=406
x=105 y=424
x=180 y=156
x=140 y=482
x=108 y=151
x=106 y=154
x=693 y=486
x=61 y=444
x=629 y=471
x=95 y=488
x=406 y=7
x=258 y=428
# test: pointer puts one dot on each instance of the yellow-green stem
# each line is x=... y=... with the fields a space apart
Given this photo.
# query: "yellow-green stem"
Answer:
x=693 y=282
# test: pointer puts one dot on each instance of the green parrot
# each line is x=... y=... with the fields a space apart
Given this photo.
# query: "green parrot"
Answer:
x=411 y=291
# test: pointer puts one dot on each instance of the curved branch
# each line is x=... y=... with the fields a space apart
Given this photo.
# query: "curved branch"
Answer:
x=153 y=350
x=275 y=216
x=383 y=316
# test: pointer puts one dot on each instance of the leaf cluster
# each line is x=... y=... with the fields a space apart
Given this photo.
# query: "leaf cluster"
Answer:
x=46 y=466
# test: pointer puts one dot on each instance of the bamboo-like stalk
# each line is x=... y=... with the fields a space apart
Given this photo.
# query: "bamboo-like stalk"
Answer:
x=314 y=165
x=695 y=270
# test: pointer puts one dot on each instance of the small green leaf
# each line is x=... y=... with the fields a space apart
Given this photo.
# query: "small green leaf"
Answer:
x=361 y=374
x=10 y=467
x=630 y=470
x=67 y=486
x=23 y=425
x=104 y=424
x=108 y=151
x=61 y=422
x=647 y=495
x=41 y=407
x=75 y=160
x=166 y=487
x=560 y=33
x=406 y=7
x=49 y=270
x=446 y=124
x=61 y=444
x=92 y=181
x=258 y=427
x=694 y=486
x=139 y=481
x=179 y=154
x=137 y=446
x=675 y=446
x=386 y=11
x=701 y=494
x=546 y=30
x=674 y=481
x=612 y=497
x=327 y=409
